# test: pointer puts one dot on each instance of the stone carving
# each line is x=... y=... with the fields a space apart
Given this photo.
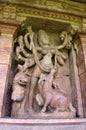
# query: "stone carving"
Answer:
x=37 y=56
x=50 y=97
x=44 y=13
x=19 y=90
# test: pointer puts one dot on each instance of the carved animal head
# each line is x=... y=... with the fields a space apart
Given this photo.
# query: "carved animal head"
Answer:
x=66 y=39
x=19 y=86
x=63 y=35
x=20 y=78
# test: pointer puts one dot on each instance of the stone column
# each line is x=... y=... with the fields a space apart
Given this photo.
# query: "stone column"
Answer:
x=6 y=44
x=81 y=63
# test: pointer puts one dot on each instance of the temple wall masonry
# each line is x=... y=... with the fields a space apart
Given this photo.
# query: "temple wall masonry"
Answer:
x=6 y=45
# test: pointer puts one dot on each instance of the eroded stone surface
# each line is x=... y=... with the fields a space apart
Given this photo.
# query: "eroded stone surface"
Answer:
x=5 y=49
x=3 y=83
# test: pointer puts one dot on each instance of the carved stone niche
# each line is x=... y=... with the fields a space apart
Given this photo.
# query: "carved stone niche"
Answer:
x=44 y=80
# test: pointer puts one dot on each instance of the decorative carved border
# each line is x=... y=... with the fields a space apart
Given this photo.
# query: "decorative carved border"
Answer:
x=20 y=13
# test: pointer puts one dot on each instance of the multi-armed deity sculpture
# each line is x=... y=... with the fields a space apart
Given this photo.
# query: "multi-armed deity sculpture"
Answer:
x=35 y=90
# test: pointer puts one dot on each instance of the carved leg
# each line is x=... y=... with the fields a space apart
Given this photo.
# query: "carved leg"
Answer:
x=39 y=99
x=44 y=108
x=47 y=101
x=31 y=93
x=15 y=108
x=34 y=80
x=71 y=108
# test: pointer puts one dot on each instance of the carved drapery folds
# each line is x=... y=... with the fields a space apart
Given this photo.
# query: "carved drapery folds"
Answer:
x=43 y=66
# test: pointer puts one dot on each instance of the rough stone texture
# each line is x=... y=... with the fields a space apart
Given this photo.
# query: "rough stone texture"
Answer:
x=3 y=82
x=80 y=56
x=45 y=127
x=75 y=83
x=43 y=124
x=81 y=62
x=5 y=49
x=6 y=40
x=82 y=68
x=83 y=88
x=7 y=30
x=83 y=1
x=83 y=41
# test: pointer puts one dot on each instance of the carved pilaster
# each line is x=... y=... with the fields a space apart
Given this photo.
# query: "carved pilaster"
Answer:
x=81 y=63
x=6 y=45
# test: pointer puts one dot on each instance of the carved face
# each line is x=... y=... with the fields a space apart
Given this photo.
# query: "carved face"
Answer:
x=19 y=86
x=63 y=35
x=21 y=78
x=22 y=81
x=43 y=38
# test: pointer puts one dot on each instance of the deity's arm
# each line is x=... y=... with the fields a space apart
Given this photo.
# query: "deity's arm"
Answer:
x=62 y=55
x=19 y=57
x=27 y=40
x=34 y=50
x=21 y=45
x=39 y=49
x=26 y=53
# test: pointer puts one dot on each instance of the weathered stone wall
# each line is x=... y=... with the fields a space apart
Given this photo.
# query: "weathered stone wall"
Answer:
x=81 y=62
x=6 y=47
